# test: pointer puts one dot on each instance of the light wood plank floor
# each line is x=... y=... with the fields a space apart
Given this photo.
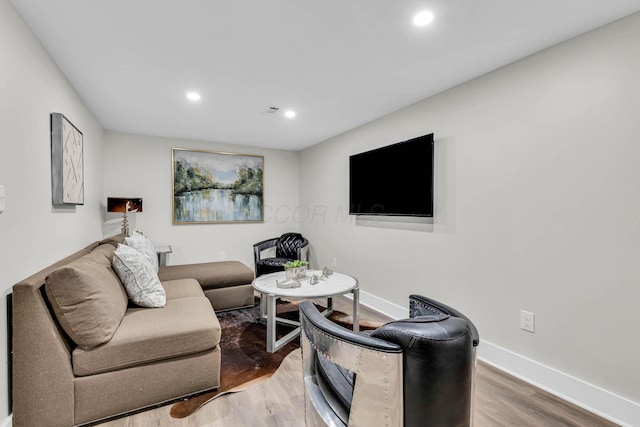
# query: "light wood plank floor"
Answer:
x=501 y=400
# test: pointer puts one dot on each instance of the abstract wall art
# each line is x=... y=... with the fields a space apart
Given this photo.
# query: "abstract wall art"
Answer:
x=215 y=187
x=67 y=165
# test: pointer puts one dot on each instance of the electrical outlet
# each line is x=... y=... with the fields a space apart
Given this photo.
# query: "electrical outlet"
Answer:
x=335 y=262
x=527 y=321
x=223 y=255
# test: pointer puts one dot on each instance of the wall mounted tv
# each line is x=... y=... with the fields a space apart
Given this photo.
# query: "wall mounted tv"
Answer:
x=393 y=180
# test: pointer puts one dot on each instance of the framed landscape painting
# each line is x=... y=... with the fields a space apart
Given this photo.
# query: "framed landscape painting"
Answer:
x=213 y=187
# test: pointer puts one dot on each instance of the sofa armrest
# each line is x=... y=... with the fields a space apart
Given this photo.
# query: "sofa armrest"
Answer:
x=42 y=371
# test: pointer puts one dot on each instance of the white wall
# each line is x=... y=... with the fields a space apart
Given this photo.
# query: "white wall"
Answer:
x=140 y=166
x=32 y=233
x=537 y=203
x=537 y=207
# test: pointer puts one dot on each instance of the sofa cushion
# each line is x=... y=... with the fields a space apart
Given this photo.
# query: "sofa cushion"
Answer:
x=87 y=298
x=113 y=240
x=142 y=244
x=140 y=280
x=182 y=288
x=185 y=326
x=210 y=275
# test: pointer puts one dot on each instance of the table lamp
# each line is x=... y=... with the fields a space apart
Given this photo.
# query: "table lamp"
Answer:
x=124 y=205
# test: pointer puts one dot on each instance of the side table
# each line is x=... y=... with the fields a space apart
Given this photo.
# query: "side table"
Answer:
x=163 y=251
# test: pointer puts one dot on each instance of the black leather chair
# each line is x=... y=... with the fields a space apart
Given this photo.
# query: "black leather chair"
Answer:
x=288 y=247
x=416 y=372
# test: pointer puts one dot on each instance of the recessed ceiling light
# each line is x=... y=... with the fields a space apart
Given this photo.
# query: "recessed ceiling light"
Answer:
x=193 y=96
x=423 y=18
x=289 y=114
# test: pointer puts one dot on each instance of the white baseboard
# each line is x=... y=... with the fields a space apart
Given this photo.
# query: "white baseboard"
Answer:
x=608 y=405
x=382 y=306
x=7 y=421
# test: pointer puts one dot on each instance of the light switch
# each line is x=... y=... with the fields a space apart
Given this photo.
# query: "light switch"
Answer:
x=2 y=197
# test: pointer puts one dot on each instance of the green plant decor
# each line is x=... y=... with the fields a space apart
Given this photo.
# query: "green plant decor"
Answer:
x=295 y=264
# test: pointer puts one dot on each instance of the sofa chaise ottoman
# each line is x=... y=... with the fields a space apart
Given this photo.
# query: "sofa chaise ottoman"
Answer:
x=227 y=284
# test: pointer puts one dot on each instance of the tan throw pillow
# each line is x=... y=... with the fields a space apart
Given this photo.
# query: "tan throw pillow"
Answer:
x=139 y=279
x=87 y=298
x=142 y=244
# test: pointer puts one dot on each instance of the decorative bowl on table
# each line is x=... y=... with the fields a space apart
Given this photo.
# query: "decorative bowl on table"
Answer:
x=296 y=270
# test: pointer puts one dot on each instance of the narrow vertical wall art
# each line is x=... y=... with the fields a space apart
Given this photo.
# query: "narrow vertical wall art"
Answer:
x=67 y=164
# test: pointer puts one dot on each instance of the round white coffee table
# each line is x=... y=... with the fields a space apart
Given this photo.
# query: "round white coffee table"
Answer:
x=333 y=285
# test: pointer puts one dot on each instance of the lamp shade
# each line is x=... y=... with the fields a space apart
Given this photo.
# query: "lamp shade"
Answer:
x=123 y=204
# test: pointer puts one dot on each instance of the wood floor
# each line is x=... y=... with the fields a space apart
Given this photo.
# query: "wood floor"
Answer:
x=500 y=400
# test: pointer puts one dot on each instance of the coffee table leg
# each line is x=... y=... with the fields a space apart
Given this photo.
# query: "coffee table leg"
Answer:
x=356 y=309
x=263 y=306
x=274 y=344
x=271 y=322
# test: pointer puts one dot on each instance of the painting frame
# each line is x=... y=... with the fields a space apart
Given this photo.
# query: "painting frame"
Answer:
x=216 y=187
x=67 y=162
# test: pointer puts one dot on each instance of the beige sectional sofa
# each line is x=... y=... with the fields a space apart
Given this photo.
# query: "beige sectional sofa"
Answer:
x=227 y=284
x=62 y=377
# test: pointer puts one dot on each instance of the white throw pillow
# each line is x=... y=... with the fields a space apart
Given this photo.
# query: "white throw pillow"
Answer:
x=142 y=244
x=139 y=279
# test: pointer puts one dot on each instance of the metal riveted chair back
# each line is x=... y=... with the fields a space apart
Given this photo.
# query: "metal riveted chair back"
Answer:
x=412 y=372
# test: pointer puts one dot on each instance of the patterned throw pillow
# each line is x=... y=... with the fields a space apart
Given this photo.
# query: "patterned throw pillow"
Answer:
x=142 y=244
x=139 y=279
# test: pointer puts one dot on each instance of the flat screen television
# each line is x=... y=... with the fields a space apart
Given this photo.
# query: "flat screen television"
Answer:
x=393 y=180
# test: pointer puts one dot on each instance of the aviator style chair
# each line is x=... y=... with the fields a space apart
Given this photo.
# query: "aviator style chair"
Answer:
x=416 y=372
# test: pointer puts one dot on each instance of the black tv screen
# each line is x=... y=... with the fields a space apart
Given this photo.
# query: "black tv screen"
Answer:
x=393 y=180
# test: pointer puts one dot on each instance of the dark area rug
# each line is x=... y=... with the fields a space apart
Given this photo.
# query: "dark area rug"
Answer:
x=245 y=361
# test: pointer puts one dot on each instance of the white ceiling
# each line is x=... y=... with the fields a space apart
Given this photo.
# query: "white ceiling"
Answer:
x=337 y=63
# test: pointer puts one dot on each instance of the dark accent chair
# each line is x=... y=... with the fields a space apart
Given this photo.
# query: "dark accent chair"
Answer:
x=289 y=247
x=416 y=372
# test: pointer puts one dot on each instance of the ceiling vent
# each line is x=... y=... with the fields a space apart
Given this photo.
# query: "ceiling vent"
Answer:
x=271 y=109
